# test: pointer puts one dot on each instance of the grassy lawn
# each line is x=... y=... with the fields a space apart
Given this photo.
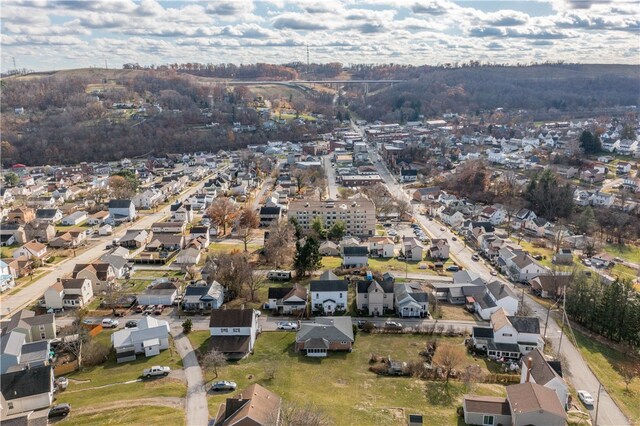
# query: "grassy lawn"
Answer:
x=454 y=312
x=368 y=398
x=623 y=271
x=7 y=251
x=232 y=247
x=383 y=265
x=546 y=253
x=605 y=362
x=112 y=372
x=628 y=252
x=151 y=273
x=161 y=387
x=136 y=285
x=132 y=416
x=331 y=262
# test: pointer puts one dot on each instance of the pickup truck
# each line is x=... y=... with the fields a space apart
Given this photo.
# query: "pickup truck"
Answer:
x=156 y=370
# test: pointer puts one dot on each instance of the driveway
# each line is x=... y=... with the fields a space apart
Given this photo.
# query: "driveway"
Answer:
x=197 y=409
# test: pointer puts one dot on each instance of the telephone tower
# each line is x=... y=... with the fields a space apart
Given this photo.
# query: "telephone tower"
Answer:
x=308 y=64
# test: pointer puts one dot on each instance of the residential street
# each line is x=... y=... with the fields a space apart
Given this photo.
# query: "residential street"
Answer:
x=575 y=368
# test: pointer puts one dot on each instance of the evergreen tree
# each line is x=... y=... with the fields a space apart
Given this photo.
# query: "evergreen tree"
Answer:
x=589 y=142
x=307 y=258
x=337 y=230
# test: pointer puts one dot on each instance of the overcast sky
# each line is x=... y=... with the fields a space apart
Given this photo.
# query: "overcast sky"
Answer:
x=58 y=34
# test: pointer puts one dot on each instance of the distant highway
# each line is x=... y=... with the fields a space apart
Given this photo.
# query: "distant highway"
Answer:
x=295 y=82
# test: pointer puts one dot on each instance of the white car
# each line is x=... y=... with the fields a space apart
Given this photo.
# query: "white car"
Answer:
x=392 y=324
x=156 y=370
x=287 y=326
x=587 y=262
x=585 y=397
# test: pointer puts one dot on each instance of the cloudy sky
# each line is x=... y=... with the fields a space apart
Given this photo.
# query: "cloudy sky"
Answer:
x=57 y=34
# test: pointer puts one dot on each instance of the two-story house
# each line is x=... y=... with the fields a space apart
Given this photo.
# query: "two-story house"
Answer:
x=381 y=247
x=68 y=293
x=411 y=300
x=355 y=256
x=26 y=390
x=375 y=298
x=535 y=368
x=439 y=248
x=148 y=337
x=101 y=275
x=121 y=211
x=498 y=295
x=508 y=336
x=287 y=300
x=329 y=294
x=35 y=327
x=412 y=249
x=203 y=297
x=233 y=331
x=30 y=250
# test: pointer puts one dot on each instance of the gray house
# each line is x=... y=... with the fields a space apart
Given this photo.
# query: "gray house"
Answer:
x=161 y=292
x=203 y=297
x=121 y=211
x=149 y=337
x=355 y=257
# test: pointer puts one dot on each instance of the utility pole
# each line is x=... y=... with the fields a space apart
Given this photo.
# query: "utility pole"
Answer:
x=14 y=63
x=598 y=403
x=308 y=63
x=562 y=327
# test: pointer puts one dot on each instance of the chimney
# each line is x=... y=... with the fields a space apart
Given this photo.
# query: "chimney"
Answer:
x=529 y=360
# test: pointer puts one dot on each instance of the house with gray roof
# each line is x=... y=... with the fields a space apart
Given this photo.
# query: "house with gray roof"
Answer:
x=510 y=336
x=203 y=297
x=375 y=298
x=329 y=293
x=323 y=335
x=465 y=285
x=411 y=300
x=35 y=327
x=535 y=368
x=161 y=292
x=497 y=295
x=233 y=331
x=355 y=256
x=149 y=337
x=26 y=390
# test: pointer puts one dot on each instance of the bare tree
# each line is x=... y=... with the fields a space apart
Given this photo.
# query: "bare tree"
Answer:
x=254 y=282
x=74 y=336
x=231 y=270
x=191 y=272
x=246 y=220
x=449 y=357
x=213 y=360
x=222 y=212
x=382 y=199
x=111 y=294
x=402 y=208
x=121 y=188
x=279 y=246
x=295 y=414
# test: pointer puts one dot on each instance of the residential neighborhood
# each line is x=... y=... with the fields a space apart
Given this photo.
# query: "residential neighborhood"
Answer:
x=236 y=273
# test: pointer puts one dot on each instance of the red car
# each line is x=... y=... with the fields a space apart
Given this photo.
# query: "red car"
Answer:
x=159 y=309
x=140 y=309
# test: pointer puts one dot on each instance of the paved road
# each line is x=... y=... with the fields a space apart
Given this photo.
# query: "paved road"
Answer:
x=197 y=408
x=332 y=187
x=11 y=304
x=578 y=372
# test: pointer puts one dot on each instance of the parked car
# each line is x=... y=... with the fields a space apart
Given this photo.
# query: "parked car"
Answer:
x=158 y=309
x=140 y=309
x=156 y=370
x=475 y=257
x=587 y=262
x=177 y=300
x=392 y=324
x=453 y=268
x=442 y=228
x=59 y=410
x=454 y=238
x=287 y=326
x=131 y=324
x=110 y=323
x=62 y=383
x=223 y=385
x=585 y=397
x=149 y=309
x=494 y=273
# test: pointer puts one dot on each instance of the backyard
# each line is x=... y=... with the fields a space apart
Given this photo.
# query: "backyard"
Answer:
x=107 y=383
x=366 y=398
x=630 y=253
x=606 y=363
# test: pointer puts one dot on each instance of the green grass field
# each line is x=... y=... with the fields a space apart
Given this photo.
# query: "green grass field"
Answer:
x=606 y=363
x=341 y=384
x=628 y=252
x=136 y=415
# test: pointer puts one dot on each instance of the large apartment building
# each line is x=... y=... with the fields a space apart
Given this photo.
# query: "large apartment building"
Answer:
x=358 y=215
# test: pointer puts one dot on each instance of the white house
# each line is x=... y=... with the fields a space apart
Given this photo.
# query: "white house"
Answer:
x=31 y=249
x=75 y=218
x=98 y=218
x=355 y=256
x=233 y=331
x=492 y=214
x=508 y=336
x=628 y=147
x=68 y=293
x=412 y=249
x=161 y=292
x=381 y=247
x=121 y=211
x=408 y=175
x=451 y=217
x=287 y=299
x=521 y=267
x=602 y=199
x=498 y=295
x=188 y=256
x=329 y=294
x=147 y=199
x=26 y=390
x=536 y=369
x=105 y=229
x=411 y=301
x=148 y=338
